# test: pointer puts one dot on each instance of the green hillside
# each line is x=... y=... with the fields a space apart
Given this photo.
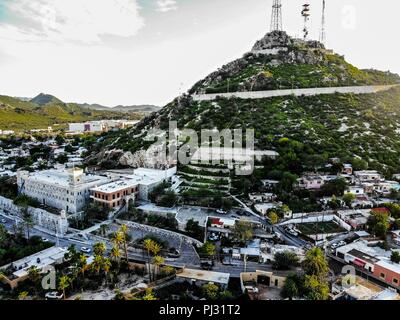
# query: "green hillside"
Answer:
x=46 y=110
x=305 y=131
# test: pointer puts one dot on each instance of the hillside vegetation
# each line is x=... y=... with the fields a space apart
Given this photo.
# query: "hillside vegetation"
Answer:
x=45 y=110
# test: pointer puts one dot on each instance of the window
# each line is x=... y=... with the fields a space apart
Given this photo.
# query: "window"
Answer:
x=113 y=196
x=395 y=281
x=382 y=275
x=276 y=282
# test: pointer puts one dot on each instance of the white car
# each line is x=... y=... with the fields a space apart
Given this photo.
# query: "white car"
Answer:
x=334 y=245
x=3 y=221
x=341 y=244
x=54 y=295
x=86 y=250
x=220 y=211
x=45 y=239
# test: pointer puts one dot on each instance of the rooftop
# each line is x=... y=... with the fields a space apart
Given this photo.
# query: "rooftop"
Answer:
x=202 y=275
x=116 y=186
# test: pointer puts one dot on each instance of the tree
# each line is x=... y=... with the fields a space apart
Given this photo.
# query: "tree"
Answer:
x=285 y=260
x=348 y=198
x=158 y=261
x=273 y=217
x=124 y=232
x=378 y=224
x=99 y=249
x=316 y=289
x=3 y=235
x=64 y=283
x=23 y=295
x=28 y=221
x=291 y=287
x=194 y=229
x=149 y=295
x=148 y=245
x=315 y=263
x=335 y=187
x=243 y=231
x=106 y=267
x=395 y=257
x=210 y=291
x=208 y=249
x=115 y=254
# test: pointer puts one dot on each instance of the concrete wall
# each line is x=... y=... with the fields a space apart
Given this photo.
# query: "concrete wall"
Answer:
x=42 y=218
x=295 y=92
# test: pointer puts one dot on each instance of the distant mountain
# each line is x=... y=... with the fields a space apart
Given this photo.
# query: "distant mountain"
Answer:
x=43 y=99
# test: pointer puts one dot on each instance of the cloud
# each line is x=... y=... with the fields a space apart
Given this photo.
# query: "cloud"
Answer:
x=166 y=5
x=83 y=21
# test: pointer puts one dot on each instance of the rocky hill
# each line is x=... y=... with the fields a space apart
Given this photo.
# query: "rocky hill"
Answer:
x=362 y=129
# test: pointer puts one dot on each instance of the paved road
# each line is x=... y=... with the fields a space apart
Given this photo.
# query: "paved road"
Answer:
x=295 y=92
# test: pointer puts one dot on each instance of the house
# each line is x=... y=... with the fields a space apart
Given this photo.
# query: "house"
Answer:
x=264 y=207
x=262 y=197
x=361 y=289
x=388 y=271
x=396 y=236
x=201 y=277
x=311 y=182
x=263 y=285
x=356 y=190
x=43 y=260
x=368 y=176
x=269 y=184
x=347 y=169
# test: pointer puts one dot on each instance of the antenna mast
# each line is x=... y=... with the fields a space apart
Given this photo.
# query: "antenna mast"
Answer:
x=306 y=15
x=322 y=36
x=276 y=21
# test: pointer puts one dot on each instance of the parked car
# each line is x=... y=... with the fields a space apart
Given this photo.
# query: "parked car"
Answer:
x=86 y=250
x=174 y=253
x=54 y=295
x=45 y=239
x=220 y=211
x=3 y=221
x=341 y=243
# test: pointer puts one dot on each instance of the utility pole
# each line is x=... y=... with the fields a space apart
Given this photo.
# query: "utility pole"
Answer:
x=276 y=20
x=322 y=35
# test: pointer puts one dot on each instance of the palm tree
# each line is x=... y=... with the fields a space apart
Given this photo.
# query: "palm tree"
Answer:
x=28 y=221
x=34 y=276
x=64 y=284
x=118 y=239
x=99 y=249
x=124 y=231
x=158 y=261
x=23 y=295
x=97 y=264
x=148 y=245
x=156 y=248
x=83 y=264
x=115 y=254
x=106 y=267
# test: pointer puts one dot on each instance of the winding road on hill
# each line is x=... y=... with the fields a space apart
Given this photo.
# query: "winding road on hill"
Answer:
x=294 y=92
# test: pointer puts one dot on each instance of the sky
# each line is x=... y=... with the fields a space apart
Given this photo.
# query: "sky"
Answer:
x=126 y=52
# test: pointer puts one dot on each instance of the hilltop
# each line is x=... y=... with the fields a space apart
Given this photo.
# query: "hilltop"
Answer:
x=362 y=129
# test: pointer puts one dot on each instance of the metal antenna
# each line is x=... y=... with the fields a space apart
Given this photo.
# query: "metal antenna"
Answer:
x=306 y=15
x=276 y=21
x=322 y=35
